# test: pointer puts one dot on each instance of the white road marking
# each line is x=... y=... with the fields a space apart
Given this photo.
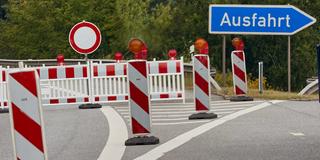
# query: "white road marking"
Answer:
x=179 y=115
x=118 y=134
x=185 y=137
x=185 y=122
x=297 y=134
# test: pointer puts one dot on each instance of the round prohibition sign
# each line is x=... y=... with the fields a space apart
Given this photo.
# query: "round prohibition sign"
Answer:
x=85 y=37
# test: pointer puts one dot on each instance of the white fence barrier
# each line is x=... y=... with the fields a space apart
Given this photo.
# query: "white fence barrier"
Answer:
x=94 y=83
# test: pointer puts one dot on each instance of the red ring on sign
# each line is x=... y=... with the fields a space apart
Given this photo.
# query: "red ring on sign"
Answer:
x=95 y=45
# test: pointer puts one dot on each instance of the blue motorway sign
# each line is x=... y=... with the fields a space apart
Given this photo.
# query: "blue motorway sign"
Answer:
x=257 y=19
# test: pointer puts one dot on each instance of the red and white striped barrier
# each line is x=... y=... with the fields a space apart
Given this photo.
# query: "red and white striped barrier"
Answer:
x=201 y=73
x=64 y=84
x=239 y=72
x=166 y=80
x=139 y=100
x=110 y=82
x=3 y=89
x=26 y=116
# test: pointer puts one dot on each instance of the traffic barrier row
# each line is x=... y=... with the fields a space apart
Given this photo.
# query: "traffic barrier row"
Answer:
x=102 y=83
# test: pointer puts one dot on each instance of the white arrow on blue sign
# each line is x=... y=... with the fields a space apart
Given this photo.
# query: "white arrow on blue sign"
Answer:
x=257 y=19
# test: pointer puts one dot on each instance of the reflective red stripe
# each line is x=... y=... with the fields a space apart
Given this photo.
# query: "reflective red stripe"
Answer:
x=139 y=97
x=112 y=98
x=28 y=128
x=96 y=99
x=110 y=70
x=27 y=80
x=163 y=68
x=125 y=69
x=239 y=55
x=239 y=73
x=54 y=101
x=84 y=71
x=178 y=67
x=201 y=83
x=70 y=72
x=164 y=95
x=203 y=60
x=239 y=91
x=140 y=68
x=4 y=76
x=137 y=128
x=95 y=71
x=200 y=106
x=71 y=100
x=52 y=73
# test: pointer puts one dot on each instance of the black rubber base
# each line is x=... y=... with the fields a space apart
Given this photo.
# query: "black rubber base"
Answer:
x=90 y=106
x=5 y=110
x=240 y=98
x=203 y=115
x=143 y=140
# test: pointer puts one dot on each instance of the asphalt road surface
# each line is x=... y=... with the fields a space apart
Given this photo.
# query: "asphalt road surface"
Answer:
x=255 y=130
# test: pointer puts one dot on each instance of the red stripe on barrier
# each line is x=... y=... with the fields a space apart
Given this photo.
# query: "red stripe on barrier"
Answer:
x=140 y=68
x=70 y=72
x=164 y=95
x=137 y=128
x=95 y=71
x=126 y=97
x=200 y=106
x=203 y=60
x=179 y=94
x=28 y=128
x=4 y=76
x=239 y=91
x=112 y=98
x=178 y=67
x=239 y=73
x=71 y=100
x=86 y=99
x=110 y=70
x=139 y=97
x=84 y=71
x=201 y=83
x=96 y=99
x=27 y=80
x=239 y=55
x=52 y=73
x=163 y=68
x=54 y=101
x=125 y=69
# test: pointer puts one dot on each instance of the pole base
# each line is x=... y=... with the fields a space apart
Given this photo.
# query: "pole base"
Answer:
x=90 y=106
x=4 y=110
x=240 y=98
x=203 y=115
x=142 y=140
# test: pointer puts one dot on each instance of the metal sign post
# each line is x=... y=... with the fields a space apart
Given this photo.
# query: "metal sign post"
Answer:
x=318 y=61
x=260 y=77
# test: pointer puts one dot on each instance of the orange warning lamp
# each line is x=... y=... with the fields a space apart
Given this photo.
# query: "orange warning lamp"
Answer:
x=238 y=43
x=135 y=45
x=202 y=46
x=118 y=56
x=172 y=54
x=60 y=59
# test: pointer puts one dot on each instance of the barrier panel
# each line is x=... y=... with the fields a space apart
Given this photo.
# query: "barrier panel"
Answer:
x=102 y=82
x=27 y=125
x=64 y=84
x=166 y=80
x=3 y=89
x=110 y=82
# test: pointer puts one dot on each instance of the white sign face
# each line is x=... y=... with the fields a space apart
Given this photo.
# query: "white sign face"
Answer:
x=85 y=43
x=85 y=37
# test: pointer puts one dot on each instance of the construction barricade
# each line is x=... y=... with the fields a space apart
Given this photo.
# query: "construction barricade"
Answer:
x=102 y=83
x=166 y=80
